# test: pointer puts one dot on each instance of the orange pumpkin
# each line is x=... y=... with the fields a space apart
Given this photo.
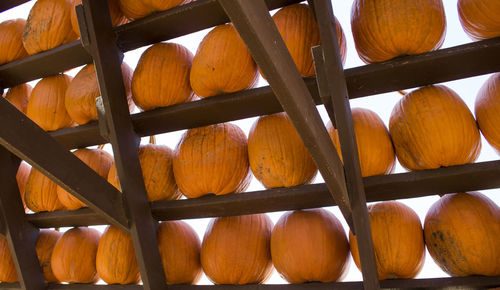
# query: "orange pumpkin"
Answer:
x=97 y=159
x=41 y=193
x=487 y=110
x=180 y=252
x=47 y=239
x=212 y=159
x=7 y=268
x=461 y=232
x=11 y=40
x=479 y=18
x=46 y=103
x=83 y=90
x=385 y=29
x=375 y=150
x=398 y=240
x=299 y=30
x=309 y=245
x=161 y=77
x=235 y=250
x=115 y=260
x=22 y=175
x=135 y=9
x=48 y=26
x=18 y=96
x=117 y=16
x=222 y=64
x=277 y=155
x=432 y=127
x=74 y=255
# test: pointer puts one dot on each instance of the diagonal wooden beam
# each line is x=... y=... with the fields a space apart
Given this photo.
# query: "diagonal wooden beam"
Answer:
x=29 y=142
x=256 y=27
x=95 y=19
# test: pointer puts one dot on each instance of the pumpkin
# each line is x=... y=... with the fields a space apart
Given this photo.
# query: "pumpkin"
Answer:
x=398 y=240
x=115 y=260
x=11 y=40
x=74 y=255
x=117 y=16
x=80 y=97
x=235 y=250
x=22 y=175
x=375 y=150
x=461 y=232
x=161 y=77
x=432 y=127
x=385 y=29
x=40 y=193
x=18 y=96
x=479 y=18
x=47 y=239
x=8 y=271
x=277 y=155
x=309 y=245
x=179 y=247
x=299 y=30
x=212 y=159
x=157 y=172
x=46 y=103
x=97 y=159
x=135 y=9
x=487 y=110
x=48 y=26
x=222 y=64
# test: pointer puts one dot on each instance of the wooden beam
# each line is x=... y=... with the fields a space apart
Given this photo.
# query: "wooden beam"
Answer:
x=8 y=4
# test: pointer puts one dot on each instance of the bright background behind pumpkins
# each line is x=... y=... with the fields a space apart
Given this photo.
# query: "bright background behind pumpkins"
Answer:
x=381 y=104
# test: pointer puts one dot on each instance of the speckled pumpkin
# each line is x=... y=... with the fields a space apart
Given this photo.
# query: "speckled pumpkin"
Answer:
x=7 y=268
x=19 y=95
x=135 y=9
x=11 y=40
x=47 y=239
x=117 y=16
x=479 y=18
x=487 y=110
x=40 y=193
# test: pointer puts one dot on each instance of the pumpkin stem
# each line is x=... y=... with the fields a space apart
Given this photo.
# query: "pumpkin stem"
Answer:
x=402 y=93
x=57 y=229
x=441 y=194
x=101 y=146
x=152 y=139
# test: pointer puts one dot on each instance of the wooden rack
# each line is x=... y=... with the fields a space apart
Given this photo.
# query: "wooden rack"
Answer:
x=48 y=152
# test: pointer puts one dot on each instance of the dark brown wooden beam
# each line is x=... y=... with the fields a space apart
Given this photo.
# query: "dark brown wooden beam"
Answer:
x=97 y=22
x=8 y=4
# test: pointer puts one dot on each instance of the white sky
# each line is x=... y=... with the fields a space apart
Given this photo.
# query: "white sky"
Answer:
x=381 y=104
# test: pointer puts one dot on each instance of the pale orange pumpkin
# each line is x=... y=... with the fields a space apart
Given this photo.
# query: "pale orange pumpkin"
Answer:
x=299 y=30
x=46 y=103
x=398 y=240
x=22 y=175
x=375 y=150
x=461 y=232
x=19 y=95
x=479 y=18
x=48 y=26
x=222 y=64
x=235 y=250
x=385 y=29
x=117 y=16
x=97 y=159
x=115 y=259
x=40 y=193
x=135 y=9
x=212 y=159
x=277 y=155
x=7 y=268
x=161 y=77
x=487 y=110
x=80 y=96
x=11 y=40
x=47 y=239
x=73 y=257
x=309 y=245
x=432 y=127
x=179 y=247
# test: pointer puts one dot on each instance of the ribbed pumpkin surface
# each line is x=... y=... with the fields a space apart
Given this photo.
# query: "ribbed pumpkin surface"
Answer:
x=487 y=110
x=461 y=233
x=18 y=96
x=235 y=250
x=309 y=245
x=11 y=40
x=41 y=193
x=22 y=175
x=47 y=239
x=7 y=269
x=117 y=16
x=384 y=29
x=161 y=77
x=48 y=26
x=135 y=9
x=432 y=127
x=479 y=18
x=277 y=155
x=398 y=240
x=222 y=64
